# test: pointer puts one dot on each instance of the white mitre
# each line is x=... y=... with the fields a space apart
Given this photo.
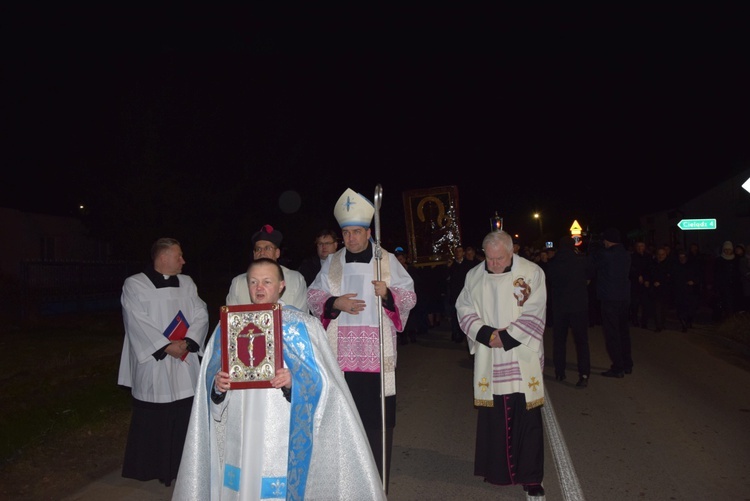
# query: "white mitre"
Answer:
x=352 y=209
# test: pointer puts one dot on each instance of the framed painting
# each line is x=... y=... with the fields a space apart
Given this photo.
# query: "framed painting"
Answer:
x=251 y=344
x=432 y=224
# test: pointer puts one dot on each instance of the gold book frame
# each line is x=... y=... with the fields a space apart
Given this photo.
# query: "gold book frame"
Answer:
x=251 y=344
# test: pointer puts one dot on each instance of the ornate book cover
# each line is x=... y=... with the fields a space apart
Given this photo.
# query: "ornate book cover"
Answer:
x=251 y=344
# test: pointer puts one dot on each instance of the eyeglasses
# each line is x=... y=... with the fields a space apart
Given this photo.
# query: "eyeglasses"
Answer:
x=267 y=248
x=325 y=244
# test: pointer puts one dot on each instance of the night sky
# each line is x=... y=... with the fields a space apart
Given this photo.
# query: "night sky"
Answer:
x=600 y=114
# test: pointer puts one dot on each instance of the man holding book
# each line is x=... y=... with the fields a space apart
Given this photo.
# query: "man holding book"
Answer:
x=296 y=435
x=166 y=323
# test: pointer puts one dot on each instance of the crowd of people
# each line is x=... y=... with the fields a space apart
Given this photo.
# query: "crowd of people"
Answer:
x=666 y=279
x=344 y=312
x=663 y=280
x=683 y=280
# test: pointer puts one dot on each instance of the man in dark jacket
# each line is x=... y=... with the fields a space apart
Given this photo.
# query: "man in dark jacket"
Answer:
x=326 y=242
x=458 y=267
x=613 y=291
x=641 y=308
x=568 y=276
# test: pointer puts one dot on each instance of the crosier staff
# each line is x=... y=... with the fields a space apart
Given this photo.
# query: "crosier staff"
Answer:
x=378 y=199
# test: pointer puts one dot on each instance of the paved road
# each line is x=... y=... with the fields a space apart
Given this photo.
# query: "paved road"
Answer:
x=677 y=428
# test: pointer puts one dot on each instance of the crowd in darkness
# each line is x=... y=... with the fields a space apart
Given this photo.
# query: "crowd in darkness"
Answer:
x=685 y=279
x=663 y=279
x=655 y=283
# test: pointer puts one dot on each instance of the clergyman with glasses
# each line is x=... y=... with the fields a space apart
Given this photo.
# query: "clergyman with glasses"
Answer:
x=326 y=243
x=267 y=243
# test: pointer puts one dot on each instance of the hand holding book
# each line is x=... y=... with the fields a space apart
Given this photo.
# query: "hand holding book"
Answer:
x=177 y=329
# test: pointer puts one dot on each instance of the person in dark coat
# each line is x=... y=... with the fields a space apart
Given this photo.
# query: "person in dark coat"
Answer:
x=613 y=291
x=686 y=283
x=458 y=267
x=417 y=322
x=640 y=307
x=326 y=243
x=660 y=292
x=568 y=276
x=726 y=282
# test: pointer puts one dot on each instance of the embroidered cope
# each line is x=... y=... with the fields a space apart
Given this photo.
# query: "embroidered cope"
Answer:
x=514 y=301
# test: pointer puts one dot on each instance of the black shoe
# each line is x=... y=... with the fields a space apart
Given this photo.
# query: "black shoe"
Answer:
x=583 y=382
x=534 y=490
x=611 y=373
x=560 y=377
x=629 y=371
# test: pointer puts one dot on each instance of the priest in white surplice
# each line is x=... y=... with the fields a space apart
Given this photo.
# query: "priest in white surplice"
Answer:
x=160 y=371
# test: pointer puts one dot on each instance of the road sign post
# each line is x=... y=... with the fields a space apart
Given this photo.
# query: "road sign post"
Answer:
x=697 y=224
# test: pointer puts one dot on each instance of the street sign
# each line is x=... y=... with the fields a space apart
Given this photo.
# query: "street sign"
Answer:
x=697 y=224
x=575 y=232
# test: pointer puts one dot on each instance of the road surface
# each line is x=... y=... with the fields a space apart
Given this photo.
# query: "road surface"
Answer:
x=677 y=428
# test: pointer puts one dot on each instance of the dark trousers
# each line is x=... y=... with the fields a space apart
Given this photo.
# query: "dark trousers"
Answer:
x=660 y=301
x=639 y=307
x=686 y=303
x=616 y=327
x=153 y=450
x=578 y=322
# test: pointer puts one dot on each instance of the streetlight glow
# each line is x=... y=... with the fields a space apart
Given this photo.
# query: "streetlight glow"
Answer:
x=538 y=217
